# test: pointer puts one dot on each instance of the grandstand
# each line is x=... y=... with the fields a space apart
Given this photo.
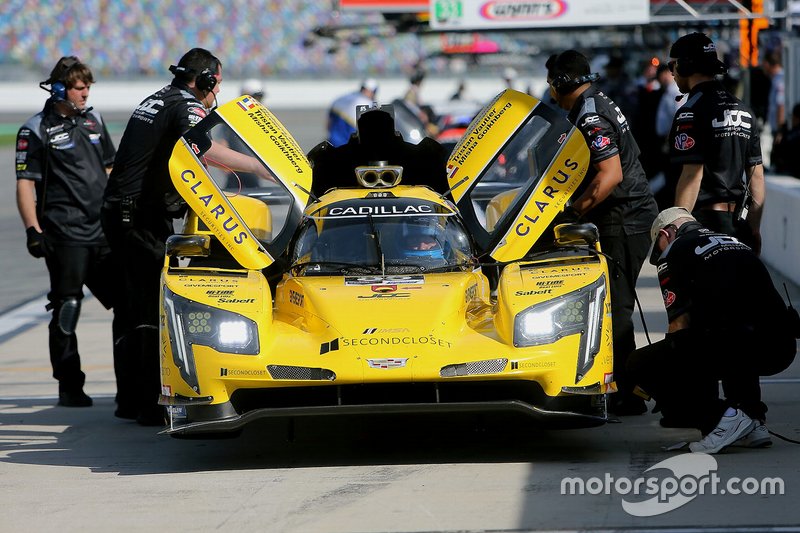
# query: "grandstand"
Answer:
x=134 y=38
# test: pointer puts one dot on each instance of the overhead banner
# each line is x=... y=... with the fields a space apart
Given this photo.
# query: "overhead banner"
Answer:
x=500 y=14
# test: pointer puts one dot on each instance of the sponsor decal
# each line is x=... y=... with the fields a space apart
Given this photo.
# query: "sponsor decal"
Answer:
x=199 y=111
x=392 y=340
x=520 y=11
x=166 y=390
x=608 y=377
x=387 y=363
x=471 y=293
x=561 y=177
x=600 y=142
x=331 y=346
x=550 y=283
x=383 y=288
x=669 y=298
x=516 y=365
x=380 y=194
x=94 y=138
x=683 y=142
x=176 y=411
x=89 y=123
x=22 y=166
x=373 y=331
x=379 y=210
x=686 y=115
x=230 y=372
x=296 y=298
x=387 y=295
x=591 y=119
x=534 y=293
x=219 y=212
x=562 y=138
x=22 y=144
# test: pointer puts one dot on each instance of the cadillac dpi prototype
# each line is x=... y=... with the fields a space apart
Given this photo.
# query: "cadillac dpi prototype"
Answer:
x=353 y=282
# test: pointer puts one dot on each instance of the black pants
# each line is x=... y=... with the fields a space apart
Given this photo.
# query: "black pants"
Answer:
x=630 y=252
x=682 y=372
x=70 y=268
x=140 y=248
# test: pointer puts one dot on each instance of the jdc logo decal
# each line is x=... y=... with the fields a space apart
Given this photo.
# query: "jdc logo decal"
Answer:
x=734 y=118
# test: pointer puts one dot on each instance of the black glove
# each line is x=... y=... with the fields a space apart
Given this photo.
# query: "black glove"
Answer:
x=35 y=242
x=568 y=216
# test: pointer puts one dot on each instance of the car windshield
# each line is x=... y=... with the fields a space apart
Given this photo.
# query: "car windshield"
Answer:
x=392 y=237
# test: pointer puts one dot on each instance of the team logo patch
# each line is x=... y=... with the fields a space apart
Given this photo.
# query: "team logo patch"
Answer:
x=600 y=142
x=683 y=142
x=669 y=298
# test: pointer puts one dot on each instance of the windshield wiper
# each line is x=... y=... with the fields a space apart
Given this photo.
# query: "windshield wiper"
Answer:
x=377 y=238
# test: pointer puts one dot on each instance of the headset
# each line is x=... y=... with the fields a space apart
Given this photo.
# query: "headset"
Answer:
x=564 y=84
x=205 y=81
x=58 y=86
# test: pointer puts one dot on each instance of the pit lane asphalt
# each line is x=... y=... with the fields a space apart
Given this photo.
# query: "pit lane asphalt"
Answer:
x=84 y=470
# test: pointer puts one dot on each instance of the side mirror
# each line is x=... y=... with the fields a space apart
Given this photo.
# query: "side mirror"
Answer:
x=189 y=246
x=585 y=233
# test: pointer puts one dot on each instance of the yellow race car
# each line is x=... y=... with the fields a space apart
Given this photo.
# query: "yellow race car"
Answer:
x=384 y=293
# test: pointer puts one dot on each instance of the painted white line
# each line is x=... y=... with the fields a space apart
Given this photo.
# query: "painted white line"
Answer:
x=25 y=315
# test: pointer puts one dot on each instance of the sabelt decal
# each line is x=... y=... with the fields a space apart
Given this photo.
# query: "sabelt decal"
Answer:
x=559 y=182
x=497 y=123
x=272 y=142
x=214 y=209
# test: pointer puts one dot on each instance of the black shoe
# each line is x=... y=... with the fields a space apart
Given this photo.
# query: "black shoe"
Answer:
x=74 y=399
x=126 y=412
x=152 y=416
x=628 y=406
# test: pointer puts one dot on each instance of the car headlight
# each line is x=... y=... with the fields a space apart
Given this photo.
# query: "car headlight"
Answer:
x=580 y=311
x=191 y=323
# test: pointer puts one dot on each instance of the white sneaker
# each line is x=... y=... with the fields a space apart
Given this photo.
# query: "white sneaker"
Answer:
x=758 y=438
x=728 y=430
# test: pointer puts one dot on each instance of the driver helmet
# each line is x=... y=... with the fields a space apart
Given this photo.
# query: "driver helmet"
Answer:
x=422 y=238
